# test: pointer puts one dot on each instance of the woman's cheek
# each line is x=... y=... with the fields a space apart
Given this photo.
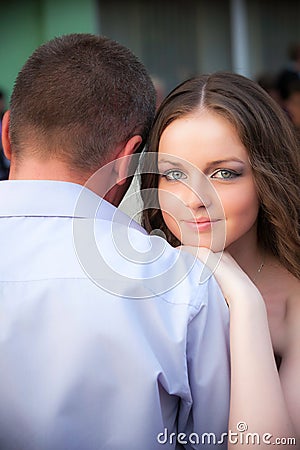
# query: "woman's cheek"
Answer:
x=170 y=205
x=241 y=213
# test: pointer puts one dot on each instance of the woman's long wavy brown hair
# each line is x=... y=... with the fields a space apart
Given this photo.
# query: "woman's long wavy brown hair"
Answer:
x=273 y=150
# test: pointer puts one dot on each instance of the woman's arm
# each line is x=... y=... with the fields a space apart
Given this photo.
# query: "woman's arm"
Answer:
x=257 y=405
x=257 y=396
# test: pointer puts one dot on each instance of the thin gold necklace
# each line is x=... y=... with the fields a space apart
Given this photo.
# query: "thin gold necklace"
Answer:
x=260 y=268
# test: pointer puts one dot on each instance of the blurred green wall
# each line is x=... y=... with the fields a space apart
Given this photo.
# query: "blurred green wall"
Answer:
x=24 y=25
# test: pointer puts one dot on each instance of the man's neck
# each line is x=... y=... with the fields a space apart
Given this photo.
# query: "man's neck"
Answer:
x=33 y=169
x=100 y=182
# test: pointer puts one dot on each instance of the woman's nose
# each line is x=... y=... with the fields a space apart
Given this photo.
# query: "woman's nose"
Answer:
x=196 y=197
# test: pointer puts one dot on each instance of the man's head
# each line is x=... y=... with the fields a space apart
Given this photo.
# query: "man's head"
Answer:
x=78 y=100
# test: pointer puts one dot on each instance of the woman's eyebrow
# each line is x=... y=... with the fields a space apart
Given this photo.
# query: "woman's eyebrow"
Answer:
x=171 y=162
x=218 y=162
x=209 y=165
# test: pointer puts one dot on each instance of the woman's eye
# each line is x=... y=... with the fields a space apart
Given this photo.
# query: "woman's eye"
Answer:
x=174 y=175
x=225 y=174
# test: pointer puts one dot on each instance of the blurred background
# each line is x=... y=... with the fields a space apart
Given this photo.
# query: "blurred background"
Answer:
x=175 y=39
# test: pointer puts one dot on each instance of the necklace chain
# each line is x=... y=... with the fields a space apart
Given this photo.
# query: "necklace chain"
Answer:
x=259 y=269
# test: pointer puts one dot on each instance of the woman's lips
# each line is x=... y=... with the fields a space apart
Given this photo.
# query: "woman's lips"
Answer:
x=203 y=224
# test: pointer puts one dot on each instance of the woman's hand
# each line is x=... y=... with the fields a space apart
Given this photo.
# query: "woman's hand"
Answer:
x=232 y=280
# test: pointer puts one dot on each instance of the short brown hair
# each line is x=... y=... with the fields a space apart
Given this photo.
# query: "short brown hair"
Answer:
x=273 y=151
x=82 y=95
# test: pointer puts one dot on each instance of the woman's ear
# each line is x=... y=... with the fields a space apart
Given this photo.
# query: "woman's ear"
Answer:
x=5 y=135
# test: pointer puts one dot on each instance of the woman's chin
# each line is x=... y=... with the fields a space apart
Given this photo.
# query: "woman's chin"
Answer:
x=215 y=245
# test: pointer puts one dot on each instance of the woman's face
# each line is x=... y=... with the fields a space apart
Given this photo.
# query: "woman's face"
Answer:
x=206 y=187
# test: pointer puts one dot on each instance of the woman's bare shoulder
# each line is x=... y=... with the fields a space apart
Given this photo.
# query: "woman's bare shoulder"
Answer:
x=292 y=317
x=293 y=296
x=280 y=280
x=281 y=292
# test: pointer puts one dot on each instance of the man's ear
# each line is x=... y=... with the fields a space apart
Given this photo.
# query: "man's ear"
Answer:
x=123 y=159
x=5 y=135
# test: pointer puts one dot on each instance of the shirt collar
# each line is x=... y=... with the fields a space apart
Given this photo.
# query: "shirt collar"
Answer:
x=39 y=198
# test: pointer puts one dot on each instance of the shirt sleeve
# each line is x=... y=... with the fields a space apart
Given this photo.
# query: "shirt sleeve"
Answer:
x=204 y=423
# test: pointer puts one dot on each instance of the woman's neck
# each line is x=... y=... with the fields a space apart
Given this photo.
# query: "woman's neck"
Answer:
x=248 y=254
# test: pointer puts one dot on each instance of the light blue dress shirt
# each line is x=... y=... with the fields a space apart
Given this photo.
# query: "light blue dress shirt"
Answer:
x=107 y=339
